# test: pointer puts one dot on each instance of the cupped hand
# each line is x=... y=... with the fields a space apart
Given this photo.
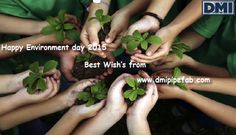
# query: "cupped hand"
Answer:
x=144 y=105
x=52 y=89
x=67 y=60
x=156 y=52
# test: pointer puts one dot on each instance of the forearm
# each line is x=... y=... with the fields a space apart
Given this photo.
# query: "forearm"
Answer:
x=99 y=124
x=218 y=85
x=9 y=84
x=14 y=25
x=30 y=112
x=135 y=6
x=71 y=121
x=218 y=111
x=138 y=126
x=33 y=40
x=160 y=7
x=206 y=70
x=189 y=15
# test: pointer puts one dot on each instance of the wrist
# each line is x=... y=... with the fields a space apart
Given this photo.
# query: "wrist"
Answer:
x=18 y=79
x=136 y=118
x=152 y=20
x=189 y=61
x=39 y=26
x=113 y=114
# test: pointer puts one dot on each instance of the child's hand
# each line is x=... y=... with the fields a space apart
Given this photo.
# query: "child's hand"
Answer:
x=52 y=89
x=170 y=62
x=156 y=52
x=67 y=60
x=89 y=35
x=86 y=112
x=144 y=105
x=119 y=24
x=68 y=97
x=171 y=92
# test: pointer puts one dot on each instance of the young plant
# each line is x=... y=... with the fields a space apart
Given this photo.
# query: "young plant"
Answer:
x=135 y=90
x=140 y=40
x=61 y=28
x=176 y=74
x=93 y=94
x=179 y=48
x=101 y=18
x=84 y=57
x=35 y=81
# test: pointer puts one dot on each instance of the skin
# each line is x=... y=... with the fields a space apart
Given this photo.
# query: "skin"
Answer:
x=218 y=111
x=137 y=114
x=189 y=15
x=75 y=115
x=60 y=102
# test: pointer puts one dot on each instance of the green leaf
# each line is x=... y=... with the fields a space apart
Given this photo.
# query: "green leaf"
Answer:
x=41 y=84
x=144 y=45
x=84 y=96
x=132 y=45
x=131 y=82
x=182 y=86
x=145 y=35
x=32 y=88
x=127 y=93
x=176 y=72
x=48 y=30
x=154 y=40
x=34 y=67
x=133 y=96
x=137 y=34
x=31 y=91
x=52 y=21
x=60 y=36
x=52 y=64
x=94 y=89
x=140 y=92
x=178 y=52
x=183 y=47
x=90 y=102
x=100 y=96
x=73 y=35
x=28 y=81
x=69 y=26
x=177 y=40
x=99 y=13
x=92 y=18
x=126 y=39
x=61 y=15
x=106 y=19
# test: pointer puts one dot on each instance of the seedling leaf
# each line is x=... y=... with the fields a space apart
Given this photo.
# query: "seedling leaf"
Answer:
x=42 y=85
x=61 y=15
x=154 y=40
x=131 y=82
x=48 y=30
x=52 y=21
x=52 y=64
x=127 y=93
x=73 y=35
x=182 y=86
x=90 y=102
x=69 y=26
x=34 y=67
x=176 y=72
x=60 y=36
x=144 y=45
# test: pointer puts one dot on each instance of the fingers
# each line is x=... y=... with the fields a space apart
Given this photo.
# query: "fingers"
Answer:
x=55 y=73
x=81 y=85
x=69 y=76
x=93 y=36
x=84 y=38
x=56 y=85
x=112 y=35
x=98 y=106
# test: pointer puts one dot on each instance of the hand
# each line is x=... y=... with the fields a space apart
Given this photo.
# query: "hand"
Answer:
x=119 y=24
x=171 y=92
x=86 y=112
x=67 y=60
x=115 y=100
x=144 y=105
x=68 y=97
x=52 y=89
x=146 y=24
x=89 y=35
x=156 y=52
x=170 y=62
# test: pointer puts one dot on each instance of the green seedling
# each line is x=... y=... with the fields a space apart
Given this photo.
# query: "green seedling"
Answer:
x=61 y=28
x=84 y=57
x=179 y=48
x=35 y=81
x=140 y=40
x=135 y=90
x=176 y=74
x=101 y=18
x=93 y=94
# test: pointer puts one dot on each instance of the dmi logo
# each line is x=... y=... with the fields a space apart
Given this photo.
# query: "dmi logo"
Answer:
x=218 y=7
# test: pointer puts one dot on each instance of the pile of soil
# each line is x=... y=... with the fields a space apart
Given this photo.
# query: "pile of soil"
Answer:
x=102 y=34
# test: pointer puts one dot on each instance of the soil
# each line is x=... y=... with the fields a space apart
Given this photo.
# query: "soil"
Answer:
x=80 y=72
x=102 y=34
x=127 y=87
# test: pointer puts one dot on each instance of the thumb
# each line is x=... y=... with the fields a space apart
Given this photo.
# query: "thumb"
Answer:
x=93 y=38
x=111 y=36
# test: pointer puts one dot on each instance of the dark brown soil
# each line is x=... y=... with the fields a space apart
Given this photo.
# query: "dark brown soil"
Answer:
x=102 y=34
x=80 y=72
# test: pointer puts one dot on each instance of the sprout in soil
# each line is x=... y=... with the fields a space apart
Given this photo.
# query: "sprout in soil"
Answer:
x=84 y=57
x=179 y=48
x=138 y=40
x=101 y=18
x=36 y=79
x=176 y=74
x=134 y=91
x=61 y=28
x=93 y=94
